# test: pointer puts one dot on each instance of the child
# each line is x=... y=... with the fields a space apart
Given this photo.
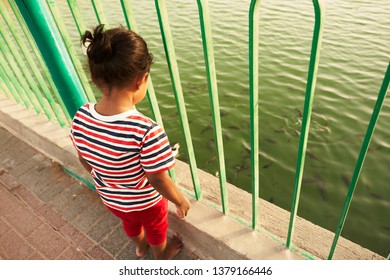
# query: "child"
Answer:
x=127 y=153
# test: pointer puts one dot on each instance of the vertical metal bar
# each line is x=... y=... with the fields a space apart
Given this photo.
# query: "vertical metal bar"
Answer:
x=254 y=104
x=151 y=95
x=44 y=30
x=208 y=52
x=72 y=53
x=361 y=158
x=31 y=63
x=310 y=88
x=3 y=87
x=17 y=78
x=98 y=8
x=175 y=77
x=131 y=24
x=75 y=10
x=34 y=49
x=6 y=80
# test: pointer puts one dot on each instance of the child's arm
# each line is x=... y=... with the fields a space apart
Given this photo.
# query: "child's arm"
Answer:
x=167 y=188
x=84 y=163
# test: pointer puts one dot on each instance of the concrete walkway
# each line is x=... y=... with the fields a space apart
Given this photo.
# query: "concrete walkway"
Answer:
x=46 y=214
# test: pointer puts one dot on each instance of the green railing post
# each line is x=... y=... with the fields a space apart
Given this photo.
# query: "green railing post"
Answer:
x=213 y=94
x=310 y=88
x=98 y=8
x=84 y=80
x=34 y=69
x=34 y=49
x=75 y=10
x=175 y=77
x=151 y=95
x=44 y=30
x=8 y=75
x=254 y=104
x=361 y=158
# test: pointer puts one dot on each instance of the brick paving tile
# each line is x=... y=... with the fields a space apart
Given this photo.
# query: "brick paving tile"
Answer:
x=77 y=237
x=115 y=241
x=3 y=227
x=14 y=247
x=98 y=253
x=24 y=220
x=50 y=243
x=8 y=180
x=8 y=202
x=104 y=226
x=72 y=253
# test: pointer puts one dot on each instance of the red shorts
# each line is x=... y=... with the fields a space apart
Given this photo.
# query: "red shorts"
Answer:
x=153 y=220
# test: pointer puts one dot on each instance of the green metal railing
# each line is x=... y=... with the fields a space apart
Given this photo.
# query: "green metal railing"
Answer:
x=310 y=88
x=47 y=75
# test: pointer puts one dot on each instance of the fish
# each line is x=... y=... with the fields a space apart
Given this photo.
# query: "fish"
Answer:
x=346 y=180
x=386 y=228
x=299 y=112
x=319 y=183
x=311 y=155
x=271 y=141
x=209 y=127
x=224 y=113
x=279 y=130
x=377 y=196
x=234 y=127
x=267 y=165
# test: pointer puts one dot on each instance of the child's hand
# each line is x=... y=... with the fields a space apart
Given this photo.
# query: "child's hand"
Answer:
x=182 y=208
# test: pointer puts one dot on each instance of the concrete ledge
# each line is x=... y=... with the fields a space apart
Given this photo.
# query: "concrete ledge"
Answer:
x=207 y=232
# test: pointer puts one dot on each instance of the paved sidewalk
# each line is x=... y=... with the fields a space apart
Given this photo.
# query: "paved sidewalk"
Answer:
x=46 y=214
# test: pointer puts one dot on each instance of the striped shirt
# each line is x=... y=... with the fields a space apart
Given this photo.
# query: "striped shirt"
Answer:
x=121 y=149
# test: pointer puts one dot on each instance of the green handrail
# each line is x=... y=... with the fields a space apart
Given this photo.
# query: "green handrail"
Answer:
x=310 y=88
x=254 y=104
x=8 y=82
x=34 y=49
x=31 y=63
x=44 y=30
x=151 y=95
x=177 y=89
x=17 y=78
x=208 y=52
x=361 y=158
x=76 y=14
x=72 y=52
x=98 y=8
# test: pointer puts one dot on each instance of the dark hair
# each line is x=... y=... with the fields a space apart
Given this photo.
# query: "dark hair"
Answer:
x=116 y=56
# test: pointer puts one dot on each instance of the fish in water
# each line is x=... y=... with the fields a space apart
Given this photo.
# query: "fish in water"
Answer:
x=320 y=184
x=311 y=155
x=267 y=165
x=175 y=150
x=209 y=127
x=377 y=196
x=271 y=141
x=234 y=127
x=346 y=180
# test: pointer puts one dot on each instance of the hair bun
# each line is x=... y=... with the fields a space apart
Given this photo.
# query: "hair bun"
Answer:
x=98 y=45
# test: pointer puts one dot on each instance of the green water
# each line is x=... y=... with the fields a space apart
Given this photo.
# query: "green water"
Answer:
x=354 y=55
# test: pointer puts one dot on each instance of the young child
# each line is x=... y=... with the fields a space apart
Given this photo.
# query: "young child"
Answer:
x=127 y=153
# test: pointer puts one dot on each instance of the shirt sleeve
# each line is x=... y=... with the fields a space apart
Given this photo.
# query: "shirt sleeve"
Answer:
x=156 y=154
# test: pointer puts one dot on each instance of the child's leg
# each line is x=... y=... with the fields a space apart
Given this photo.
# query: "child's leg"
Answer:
x=134 y=230
x=168 y=249
x=142 y=244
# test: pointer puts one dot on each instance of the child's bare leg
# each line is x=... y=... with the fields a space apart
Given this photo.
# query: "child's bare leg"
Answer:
x=142 y=244
x=169 y=249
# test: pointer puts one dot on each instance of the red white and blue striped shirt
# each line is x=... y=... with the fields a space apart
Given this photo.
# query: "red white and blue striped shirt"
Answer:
x=121 y=149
